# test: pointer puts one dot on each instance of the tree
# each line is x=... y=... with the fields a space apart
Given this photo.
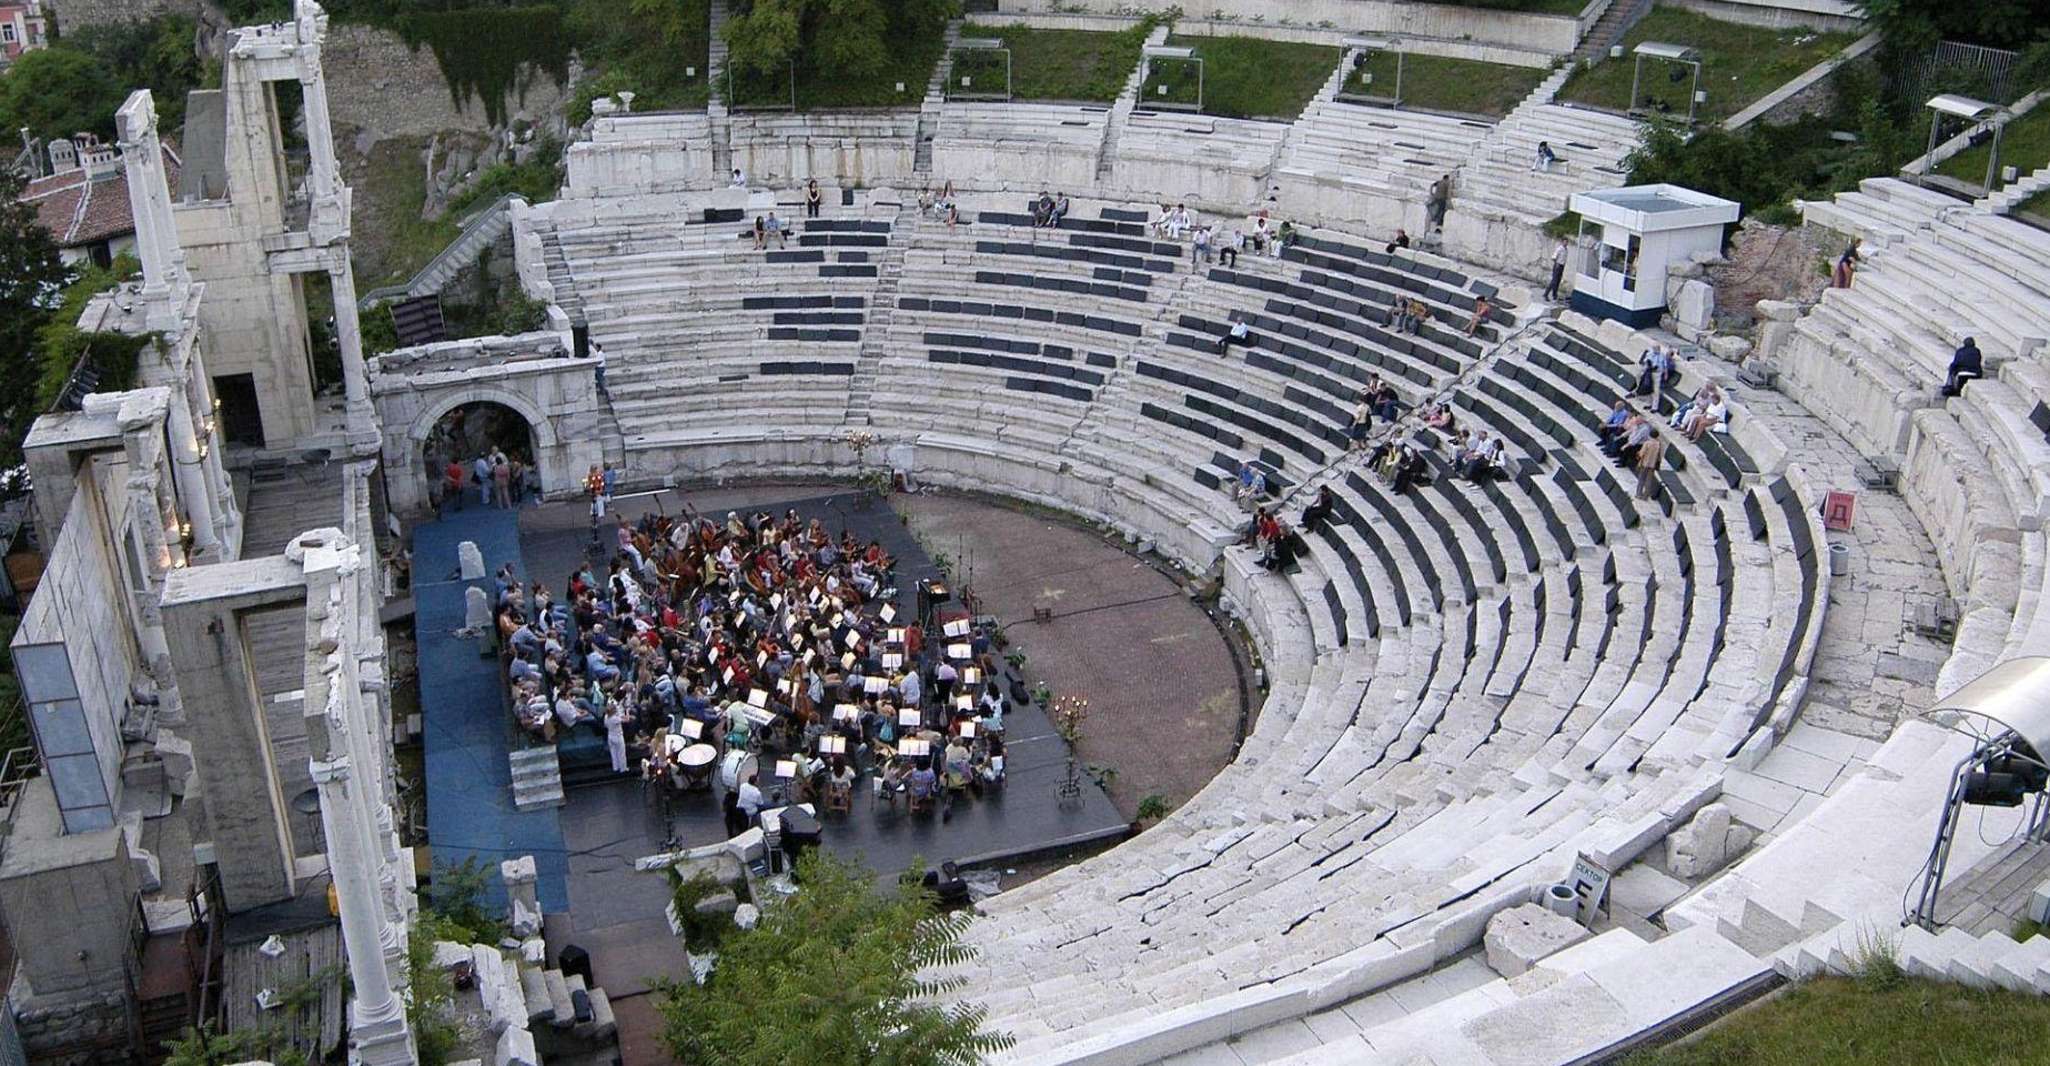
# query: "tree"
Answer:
x=1916 y=25
x=849 y=37
x=56 y=92
x=832 y=977
x=158 y=55
x=31 y=275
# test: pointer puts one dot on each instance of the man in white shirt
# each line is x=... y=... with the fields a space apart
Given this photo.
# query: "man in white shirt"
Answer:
x=750 y=798
x=739 y=179
x=1558 y=269
x=911 y=688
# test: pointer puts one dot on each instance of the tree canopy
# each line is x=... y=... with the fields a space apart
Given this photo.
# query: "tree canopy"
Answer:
x=56 y=92
x=849 y=37
x=31 y=275
x=832 y=976
x=1919 y=24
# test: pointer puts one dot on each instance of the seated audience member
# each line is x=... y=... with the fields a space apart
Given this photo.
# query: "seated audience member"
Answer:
x=1252 y=483
x=1319 y=510
x=1401 y=241
x=1481 y=309
x=775 y=229
x=1545 y=156
x=1613 y=426
x=1163 y=221
x=1704 y=419
x=1286 y=237
x=949 y=891
x=1199 y=249
x=1060 y=209
x=1228 y=249
x=1965 y=363
x=761 y=234
x=1042 y=210
x=1238 y=334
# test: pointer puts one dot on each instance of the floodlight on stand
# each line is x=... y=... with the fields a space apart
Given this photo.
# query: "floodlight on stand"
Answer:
x=2008 y=174
x=690 y=72
x=2006 y=712
x=900 y=86
x=1615 y=51
x=1701 y=96
x=965 y=81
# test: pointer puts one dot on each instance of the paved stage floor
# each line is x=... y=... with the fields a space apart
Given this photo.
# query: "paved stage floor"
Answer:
x=616 y=913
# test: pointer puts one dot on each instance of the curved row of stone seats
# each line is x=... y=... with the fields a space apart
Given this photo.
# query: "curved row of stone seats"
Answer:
x=1193 y=158
x=1973 y=468
x=1371 y=166
x=1881 y=211
x=1502 y=179
x=1427 y=764
x=785 y=149
x=1024 y=147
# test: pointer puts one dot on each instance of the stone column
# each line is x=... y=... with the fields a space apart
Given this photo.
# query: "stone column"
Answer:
x=189 y=467
x=364 y=439
x=378 y=1035
x=149 y=198
x=139 y=441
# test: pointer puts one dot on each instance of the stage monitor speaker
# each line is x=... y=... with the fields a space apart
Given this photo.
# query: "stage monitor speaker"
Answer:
x=574 y=961
x=1986 y=789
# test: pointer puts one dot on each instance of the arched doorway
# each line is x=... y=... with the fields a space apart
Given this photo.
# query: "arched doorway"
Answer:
x=479 y=428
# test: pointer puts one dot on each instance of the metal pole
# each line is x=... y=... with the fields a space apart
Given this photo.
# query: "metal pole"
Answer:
x=1993 y=161
x=1693 y=91
x=1636 y=73
x=1939 y=853
x=1398 y=76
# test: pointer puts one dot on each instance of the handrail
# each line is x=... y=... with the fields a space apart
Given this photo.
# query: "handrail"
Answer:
x=475 y=224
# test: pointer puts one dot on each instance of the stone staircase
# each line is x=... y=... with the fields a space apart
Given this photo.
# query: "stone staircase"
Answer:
x=1607 y=30
x=536 y=778
x=882 y=309
x=2015 y=194
x=1121 y=111
x=715 y=106
x=560 y=277
x=935 y=99
x=484 y=229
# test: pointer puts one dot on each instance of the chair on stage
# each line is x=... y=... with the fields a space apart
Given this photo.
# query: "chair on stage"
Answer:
x=840 y=798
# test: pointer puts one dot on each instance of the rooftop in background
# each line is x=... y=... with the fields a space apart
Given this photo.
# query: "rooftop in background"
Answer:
x=86 y=200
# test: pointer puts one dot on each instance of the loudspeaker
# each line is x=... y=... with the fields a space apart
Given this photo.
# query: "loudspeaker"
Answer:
x=574 y=961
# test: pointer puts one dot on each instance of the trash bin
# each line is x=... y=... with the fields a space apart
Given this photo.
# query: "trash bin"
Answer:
x=1559 y=899
x=1839 y=560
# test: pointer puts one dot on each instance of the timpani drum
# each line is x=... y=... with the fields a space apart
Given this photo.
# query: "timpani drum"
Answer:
x=695 y=763
x=737 y=767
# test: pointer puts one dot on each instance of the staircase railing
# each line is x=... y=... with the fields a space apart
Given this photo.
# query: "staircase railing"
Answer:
x=447 y=256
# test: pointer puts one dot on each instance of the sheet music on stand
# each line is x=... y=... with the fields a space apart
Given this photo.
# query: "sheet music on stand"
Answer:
x=757 y=698
x=832 y=745
x=960 y=651
x=915 y=748
x=846 y=712
x=875 y=685
x=892 y=660
x=956 y=628
x=910 y=716
x=888 y=614
x=691 y=728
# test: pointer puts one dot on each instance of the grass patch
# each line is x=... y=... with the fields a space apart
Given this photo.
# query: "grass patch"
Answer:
x=2024 y=145
x=1844 y=1022
x=1054 y=64
x=1244 y=77
x=665 y=61
x=2038 y=204
x=1447 y=84
x=1739 y=64
x=910 y=64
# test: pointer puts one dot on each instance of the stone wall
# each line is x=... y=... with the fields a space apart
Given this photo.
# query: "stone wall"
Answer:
x=1829 y=15
x=76 y=14
x=380 y=87
x=74 y=1032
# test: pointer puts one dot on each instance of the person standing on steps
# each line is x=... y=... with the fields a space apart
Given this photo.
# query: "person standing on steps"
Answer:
x=813 y=198
x=1558 y=269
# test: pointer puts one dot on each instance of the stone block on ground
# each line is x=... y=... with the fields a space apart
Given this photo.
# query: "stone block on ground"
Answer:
x=1520 y=937
x=1709 y=840
x=516 y=1048
x=1729 y=349
x=470 y=560
x=534 y=988
x=718 y=903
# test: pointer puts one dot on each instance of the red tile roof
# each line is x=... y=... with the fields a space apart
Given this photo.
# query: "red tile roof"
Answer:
x=80 y=212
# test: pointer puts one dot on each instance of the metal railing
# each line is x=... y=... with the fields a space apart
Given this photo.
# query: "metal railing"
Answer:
x=475 y=224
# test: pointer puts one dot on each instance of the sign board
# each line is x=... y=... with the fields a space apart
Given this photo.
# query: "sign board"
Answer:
x=1590 y=881
x=1839 y=509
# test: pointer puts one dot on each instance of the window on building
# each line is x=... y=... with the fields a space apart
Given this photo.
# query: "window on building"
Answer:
x=7 y=32
x=63 y=738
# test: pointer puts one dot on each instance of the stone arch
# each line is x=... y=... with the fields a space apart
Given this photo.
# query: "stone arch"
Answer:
x=546 y=444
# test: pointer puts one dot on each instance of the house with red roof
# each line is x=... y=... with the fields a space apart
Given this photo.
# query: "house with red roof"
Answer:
x=22 y=29
x=84 y=201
